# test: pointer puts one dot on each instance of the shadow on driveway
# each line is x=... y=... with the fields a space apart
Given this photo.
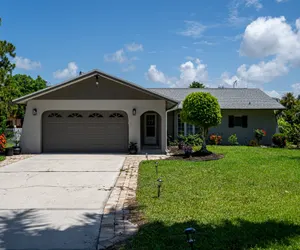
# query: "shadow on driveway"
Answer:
x=25 y=229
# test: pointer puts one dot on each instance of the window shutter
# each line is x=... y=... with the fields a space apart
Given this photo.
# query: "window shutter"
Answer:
x=231 y=121
x=245 y=121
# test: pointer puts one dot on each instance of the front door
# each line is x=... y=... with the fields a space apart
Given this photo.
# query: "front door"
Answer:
x=150 y=129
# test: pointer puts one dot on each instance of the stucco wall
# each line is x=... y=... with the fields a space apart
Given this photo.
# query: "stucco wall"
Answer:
x=170 y=128
x=263 y=119
x=31 y=141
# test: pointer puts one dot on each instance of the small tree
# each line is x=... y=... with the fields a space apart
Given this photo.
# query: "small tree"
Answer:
x=198 y=85
x=203 y=110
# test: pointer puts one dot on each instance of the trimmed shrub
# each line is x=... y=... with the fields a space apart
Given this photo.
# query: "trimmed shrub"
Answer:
x=191 y=140
x=233 y=140
x=253 y=143
x=2 y=142
x=279 y=140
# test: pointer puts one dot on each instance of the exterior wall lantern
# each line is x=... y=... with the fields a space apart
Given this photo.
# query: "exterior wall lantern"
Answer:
x=134 y=111
x=97 y=80
x=34 y=111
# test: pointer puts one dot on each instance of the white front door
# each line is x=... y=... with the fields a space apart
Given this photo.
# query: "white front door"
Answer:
x=150 y=129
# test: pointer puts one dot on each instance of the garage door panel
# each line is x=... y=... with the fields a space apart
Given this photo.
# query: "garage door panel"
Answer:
x=85 y=131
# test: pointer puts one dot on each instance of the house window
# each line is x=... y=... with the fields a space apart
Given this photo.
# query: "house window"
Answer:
x=237 y=121
x=185 y=128
x=95 y=115
x=189 y=129
x=57 y=115
x=75 y=115
x=116 y=115
x=180 y=126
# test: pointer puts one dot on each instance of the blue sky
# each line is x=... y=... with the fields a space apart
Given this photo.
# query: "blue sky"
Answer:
x=159 y=43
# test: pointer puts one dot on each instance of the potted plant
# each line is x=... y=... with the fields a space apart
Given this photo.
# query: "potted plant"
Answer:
x=133 y=148
x=9 y=148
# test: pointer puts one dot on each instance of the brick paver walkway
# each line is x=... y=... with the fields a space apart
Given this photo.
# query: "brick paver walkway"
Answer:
x=115 y=226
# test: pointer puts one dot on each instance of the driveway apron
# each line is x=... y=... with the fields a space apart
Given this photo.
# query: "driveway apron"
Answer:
x=55 y=201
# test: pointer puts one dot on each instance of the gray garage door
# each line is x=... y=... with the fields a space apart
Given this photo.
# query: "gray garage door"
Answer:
x=85 y=131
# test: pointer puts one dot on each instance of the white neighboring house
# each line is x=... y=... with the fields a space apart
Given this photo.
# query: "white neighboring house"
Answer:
x=98 y=113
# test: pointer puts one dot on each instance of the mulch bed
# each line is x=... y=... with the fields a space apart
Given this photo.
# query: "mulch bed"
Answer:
x=178 y=154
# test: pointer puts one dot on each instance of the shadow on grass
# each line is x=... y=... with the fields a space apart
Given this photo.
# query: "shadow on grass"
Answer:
x=27 y=229
x=234 y=235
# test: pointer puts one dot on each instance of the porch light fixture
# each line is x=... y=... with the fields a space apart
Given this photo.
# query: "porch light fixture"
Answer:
x=134 y=111
x=97 y=80
x=34 y=111
x=159 y=182
x=190 y=239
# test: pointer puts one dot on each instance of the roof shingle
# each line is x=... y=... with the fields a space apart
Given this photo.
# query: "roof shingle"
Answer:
x=235 y=98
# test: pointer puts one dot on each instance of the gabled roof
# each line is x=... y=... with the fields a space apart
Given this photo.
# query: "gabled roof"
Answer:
x=233 y=98
x=93 y=73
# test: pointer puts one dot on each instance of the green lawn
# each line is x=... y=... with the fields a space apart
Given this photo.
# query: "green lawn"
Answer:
x=2 y=157
x=248 y=200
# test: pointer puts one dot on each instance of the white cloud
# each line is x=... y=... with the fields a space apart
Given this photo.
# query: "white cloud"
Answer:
x=268 y=36
x=234 y=38
x=272 y=38
x=296 y=88
x=155 y=75
x=130 y=67
x=190 y=58
x=205 y=43
x=281 y=1
x=189 y=72
x=118 y=56
x=193 y=29
x=70 y=71
x=25 y=63
x=273 y=93
x=134 y=47
x=255 y=3
x=256 y=74
x=298 y=24
x=234 y=17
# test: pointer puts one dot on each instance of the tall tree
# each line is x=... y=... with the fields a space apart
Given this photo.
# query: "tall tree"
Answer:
x=24 y=85
x=289 y=121
x=288 y=100
x=198 y=85
x=7 y=51
x=203 y=110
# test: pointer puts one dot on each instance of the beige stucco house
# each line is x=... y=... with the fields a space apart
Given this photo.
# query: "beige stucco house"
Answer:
x=96 y=112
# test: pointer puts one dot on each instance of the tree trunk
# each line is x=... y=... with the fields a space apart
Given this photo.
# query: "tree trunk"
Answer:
x=204 y=134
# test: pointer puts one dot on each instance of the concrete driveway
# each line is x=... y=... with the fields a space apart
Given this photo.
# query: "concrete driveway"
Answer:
x=55 y=201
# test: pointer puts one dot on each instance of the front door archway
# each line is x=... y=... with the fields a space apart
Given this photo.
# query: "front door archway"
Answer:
x=150 y=130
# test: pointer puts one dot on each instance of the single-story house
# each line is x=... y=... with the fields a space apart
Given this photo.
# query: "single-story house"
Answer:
x=97 y=112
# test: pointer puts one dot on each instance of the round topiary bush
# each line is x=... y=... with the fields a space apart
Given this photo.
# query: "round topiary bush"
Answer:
x=279 y=140
x=203 y=110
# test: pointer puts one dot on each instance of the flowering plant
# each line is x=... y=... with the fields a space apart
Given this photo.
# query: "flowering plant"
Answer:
x=2 y=142
x=215 y=139
x=259 y=134
x=188 y=150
